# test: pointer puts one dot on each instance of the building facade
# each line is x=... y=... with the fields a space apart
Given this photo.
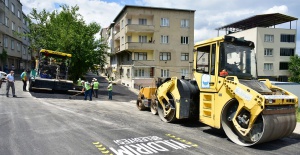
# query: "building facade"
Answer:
x=273 y=46
x=16 y=46
x=149 y=43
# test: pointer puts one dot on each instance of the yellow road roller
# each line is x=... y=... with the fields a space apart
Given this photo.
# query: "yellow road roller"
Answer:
x=225 y=94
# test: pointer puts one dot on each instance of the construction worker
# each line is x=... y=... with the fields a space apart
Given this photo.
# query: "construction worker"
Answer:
x=95 y=88
x=24 y=78
x=109 y=88
x=79 y=83
x=87 y=90
x=92 y=85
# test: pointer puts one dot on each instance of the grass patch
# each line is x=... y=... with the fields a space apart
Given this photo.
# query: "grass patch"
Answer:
x=298 y=115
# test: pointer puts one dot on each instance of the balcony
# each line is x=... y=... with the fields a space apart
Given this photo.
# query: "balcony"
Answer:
x=117 y=36
x=139 y=28
x=144 y=63
x=117 y=49
x=2 y=6
x=139 y=46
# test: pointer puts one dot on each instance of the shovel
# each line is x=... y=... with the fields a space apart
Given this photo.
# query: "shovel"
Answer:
x=75 y=95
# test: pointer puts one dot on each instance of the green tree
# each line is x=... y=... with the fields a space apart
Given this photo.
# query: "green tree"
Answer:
x=294 y=69
x=66 y=31
x=3 y=58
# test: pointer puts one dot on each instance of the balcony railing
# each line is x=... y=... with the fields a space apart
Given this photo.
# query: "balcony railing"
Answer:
x=117 y=36
x=144 y=63
x=138 y=45
x=139 y=28
x=117 y=49
x=2 y=6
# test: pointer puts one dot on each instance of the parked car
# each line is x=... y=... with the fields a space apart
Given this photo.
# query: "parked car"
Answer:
x=2 y=75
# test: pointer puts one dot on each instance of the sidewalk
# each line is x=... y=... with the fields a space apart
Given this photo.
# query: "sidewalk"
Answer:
x=297 y=129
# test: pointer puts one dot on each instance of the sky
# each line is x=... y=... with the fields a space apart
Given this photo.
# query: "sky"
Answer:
x=209 y=15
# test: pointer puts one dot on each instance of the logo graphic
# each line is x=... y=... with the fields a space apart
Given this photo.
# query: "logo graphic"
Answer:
x=205 y=81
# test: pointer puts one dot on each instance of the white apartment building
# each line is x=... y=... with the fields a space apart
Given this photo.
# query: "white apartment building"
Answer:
x=150 y=43
x=273 y=46
x=16 y=46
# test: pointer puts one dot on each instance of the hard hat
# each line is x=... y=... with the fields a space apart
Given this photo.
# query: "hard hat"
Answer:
x=95 y=79
x=82 y=81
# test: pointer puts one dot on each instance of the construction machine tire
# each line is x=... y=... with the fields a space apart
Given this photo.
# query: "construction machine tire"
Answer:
x=140 y=105
x=266 y=127
x=153 y=107
x=171 y=117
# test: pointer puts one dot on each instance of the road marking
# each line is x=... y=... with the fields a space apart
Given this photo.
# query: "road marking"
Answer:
x=182 y=140
x=145 y=145
x=102 y=148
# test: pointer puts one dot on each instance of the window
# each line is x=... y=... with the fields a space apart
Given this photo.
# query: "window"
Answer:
x=128 y=57
x=184 y=56
x=12 y=26
x=140 y=56
x=287 y=51
x=5 y=42
x=185 y=72
x=184 y=23
x=19 y=15
x=142 y=21
x=283 y=66
x=19 y=29
x=24 y=50
x=164 y=56
x=12 y=44
x=268 y=66
x=142 y=39
x=288 y=38
x=128 y=21
x=24 y=37
x=184 y=40
x=164 y=22
x=122 y=24
x=128 y=73
x=6 y=21
x=269 y=38
x=164 y=39
x=12 y=8
x=6 y=3
x=18 y=47
x=165 y=73
x=268 y=52
x=129 y=38
x=139 y=72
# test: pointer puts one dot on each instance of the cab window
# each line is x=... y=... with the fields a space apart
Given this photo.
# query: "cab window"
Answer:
x=206 y=59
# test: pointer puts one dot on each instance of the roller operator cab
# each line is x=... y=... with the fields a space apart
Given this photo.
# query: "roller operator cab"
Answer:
x=226 y=95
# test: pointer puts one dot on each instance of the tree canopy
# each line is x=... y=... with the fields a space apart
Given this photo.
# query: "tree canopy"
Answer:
x=294 y=69
x=66 y=31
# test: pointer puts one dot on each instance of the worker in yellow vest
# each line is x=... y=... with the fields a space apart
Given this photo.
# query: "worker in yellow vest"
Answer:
x=87 y=90
x=95 y=88
x=24 y=79
x=109 y=88
x=79 y=82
